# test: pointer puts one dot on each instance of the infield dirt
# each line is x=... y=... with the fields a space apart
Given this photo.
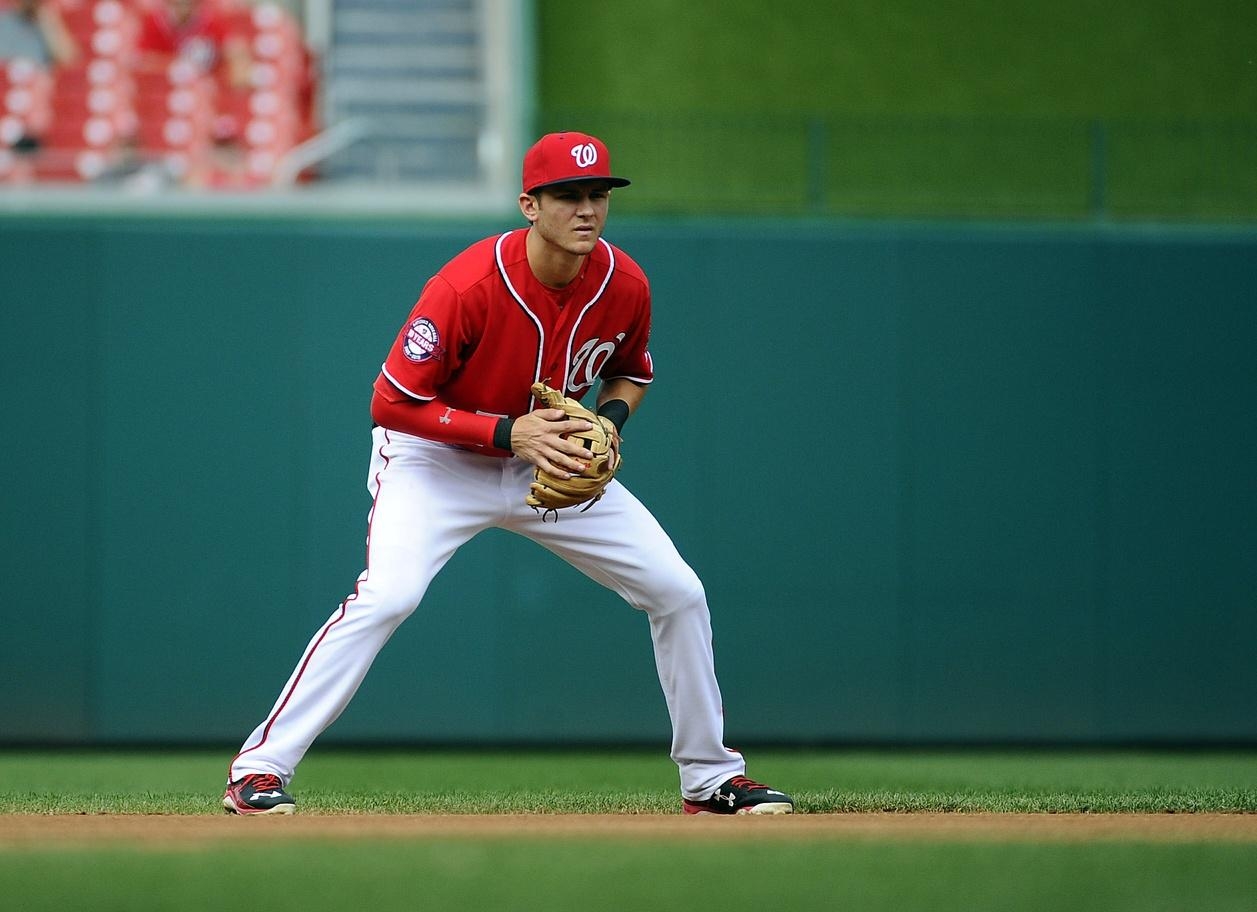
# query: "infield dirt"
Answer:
x=36 y=831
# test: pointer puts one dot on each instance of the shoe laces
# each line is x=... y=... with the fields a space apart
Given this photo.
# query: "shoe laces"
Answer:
x=743 y=782
x=262 y=782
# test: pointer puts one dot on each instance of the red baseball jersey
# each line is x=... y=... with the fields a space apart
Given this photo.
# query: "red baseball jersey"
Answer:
x=484 y=329
x=200 y=38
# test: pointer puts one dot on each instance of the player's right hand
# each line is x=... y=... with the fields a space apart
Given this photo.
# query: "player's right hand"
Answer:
x=540 y=439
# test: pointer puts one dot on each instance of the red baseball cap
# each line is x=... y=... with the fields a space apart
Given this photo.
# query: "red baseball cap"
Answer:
x=557 y=158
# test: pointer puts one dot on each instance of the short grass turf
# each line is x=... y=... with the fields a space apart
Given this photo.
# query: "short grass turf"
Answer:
x=1159 y=58
x=486 y=782
x=1134 y=109
x=557 y=873
x=553 y=875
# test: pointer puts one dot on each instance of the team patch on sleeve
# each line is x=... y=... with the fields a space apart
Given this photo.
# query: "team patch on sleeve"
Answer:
x=422 y=341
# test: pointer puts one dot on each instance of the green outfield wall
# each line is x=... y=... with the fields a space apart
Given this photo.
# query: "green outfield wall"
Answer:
x=943 y=482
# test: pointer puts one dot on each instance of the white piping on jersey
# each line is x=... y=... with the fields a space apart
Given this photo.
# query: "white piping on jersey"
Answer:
x=411 y=393
x=541 y=333
x=650 y=362
x=571 y=340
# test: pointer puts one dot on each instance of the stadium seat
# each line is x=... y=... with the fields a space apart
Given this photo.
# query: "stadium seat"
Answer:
x=25 y=115
x=25 y=95
x=115 y=111
x=264 y=119
x=92 y=104
x=174 y=120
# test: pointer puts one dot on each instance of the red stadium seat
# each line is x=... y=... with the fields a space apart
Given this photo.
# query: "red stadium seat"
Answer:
x=114 y=106
x=92 y=110
x=175 y=118
x=265 y=119
x=26 y=115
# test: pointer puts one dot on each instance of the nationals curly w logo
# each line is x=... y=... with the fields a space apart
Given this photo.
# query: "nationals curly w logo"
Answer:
x=585 y=155
x=588 y=362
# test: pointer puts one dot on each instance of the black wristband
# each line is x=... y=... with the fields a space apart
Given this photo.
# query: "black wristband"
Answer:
x=615 y=409
x=502 y=433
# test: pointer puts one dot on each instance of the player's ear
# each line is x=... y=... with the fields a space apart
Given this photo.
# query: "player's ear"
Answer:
x=528 y=206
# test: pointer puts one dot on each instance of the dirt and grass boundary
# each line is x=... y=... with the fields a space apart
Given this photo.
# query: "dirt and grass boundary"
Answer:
x=171 y=832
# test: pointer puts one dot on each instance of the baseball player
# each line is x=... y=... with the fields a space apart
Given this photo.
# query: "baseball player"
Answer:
x=458 y=441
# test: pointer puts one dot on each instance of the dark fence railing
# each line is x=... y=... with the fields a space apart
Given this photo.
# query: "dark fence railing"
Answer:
x=918 y=166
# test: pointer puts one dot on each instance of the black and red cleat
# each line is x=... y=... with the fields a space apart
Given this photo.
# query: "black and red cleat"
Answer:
x=741 y=795
x=258 y=793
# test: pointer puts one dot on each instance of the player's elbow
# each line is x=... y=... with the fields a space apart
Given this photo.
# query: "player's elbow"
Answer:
x=380 y=409
x=387 y=402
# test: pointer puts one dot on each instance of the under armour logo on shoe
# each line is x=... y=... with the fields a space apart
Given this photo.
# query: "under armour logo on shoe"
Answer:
x=729 y=797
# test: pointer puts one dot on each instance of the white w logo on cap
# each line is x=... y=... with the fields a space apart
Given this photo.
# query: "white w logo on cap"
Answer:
x=585 y=155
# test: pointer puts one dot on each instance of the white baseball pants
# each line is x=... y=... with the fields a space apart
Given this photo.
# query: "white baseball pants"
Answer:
x=428 y=500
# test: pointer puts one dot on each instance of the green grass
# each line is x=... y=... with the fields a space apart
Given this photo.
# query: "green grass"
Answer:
x=684 y=872
x=569 y=875
x=488 y=782
x=1075 y=58
x=1068 y=110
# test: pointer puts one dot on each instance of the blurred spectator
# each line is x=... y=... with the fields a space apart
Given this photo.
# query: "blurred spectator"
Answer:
x=34 y=30
x=198 y=31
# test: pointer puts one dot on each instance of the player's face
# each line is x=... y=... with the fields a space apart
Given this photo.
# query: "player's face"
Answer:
x=569 y=216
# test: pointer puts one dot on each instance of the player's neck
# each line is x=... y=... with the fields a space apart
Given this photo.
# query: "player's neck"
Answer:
x=552 y=266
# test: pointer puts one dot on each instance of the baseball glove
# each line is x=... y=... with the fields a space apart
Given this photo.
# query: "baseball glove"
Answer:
x=548 y=492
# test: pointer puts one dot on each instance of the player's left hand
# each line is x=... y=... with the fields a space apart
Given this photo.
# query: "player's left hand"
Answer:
x=613 y=439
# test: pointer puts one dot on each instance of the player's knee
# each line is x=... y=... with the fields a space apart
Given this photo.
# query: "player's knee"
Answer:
x=391 y=602
x=396 y=610
x=677 y=592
